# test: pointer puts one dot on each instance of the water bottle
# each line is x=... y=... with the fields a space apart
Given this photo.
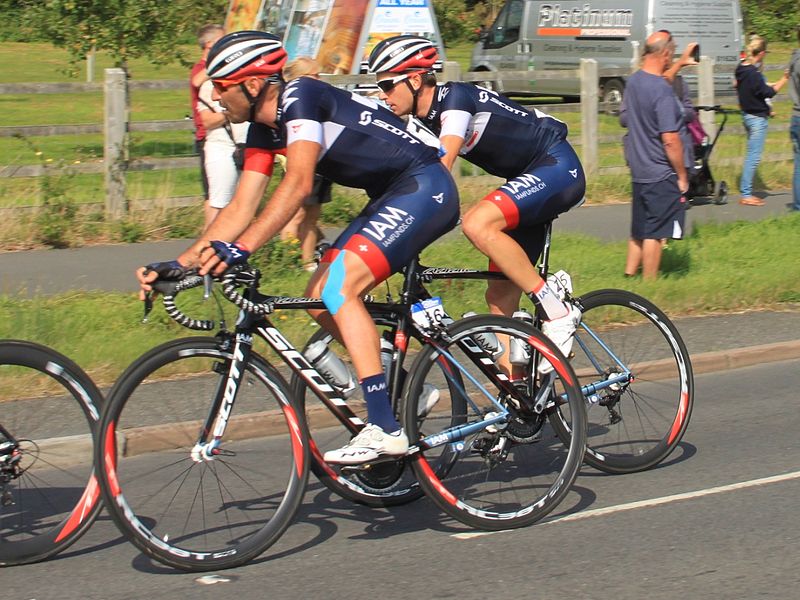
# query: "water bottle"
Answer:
x=331 y=368
x=387 y=354
x=487 y=341
x=520 y=352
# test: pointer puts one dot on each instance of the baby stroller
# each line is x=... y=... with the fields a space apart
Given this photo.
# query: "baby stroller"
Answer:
x=701 y=182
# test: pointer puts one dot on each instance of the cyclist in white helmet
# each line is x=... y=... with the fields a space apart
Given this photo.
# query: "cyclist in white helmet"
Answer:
x=352 y=141
x=528 y=148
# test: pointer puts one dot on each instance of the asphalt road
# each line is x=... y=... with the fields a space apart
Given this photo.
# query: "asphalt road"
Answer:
x=717 y=520
x=111 y=267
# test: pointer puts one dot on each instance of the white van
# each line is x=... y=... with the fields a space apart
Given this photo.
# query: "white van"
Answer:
x=533 y=35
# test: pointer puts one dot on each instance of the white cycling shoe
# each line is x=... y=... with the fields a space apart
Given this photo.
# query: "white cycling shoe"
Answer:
x=370 y=444
x=562 y=333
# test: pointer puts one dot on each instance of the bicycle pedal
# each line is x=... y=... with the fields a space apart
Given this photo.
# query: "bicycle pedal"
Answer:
x=365 y=467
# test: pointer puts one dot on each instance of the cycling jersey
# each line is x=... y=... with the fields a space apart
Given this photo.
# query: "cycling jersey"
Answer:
x=263 y=143
x=500 y=136
x=364 y=145
x=413 y=199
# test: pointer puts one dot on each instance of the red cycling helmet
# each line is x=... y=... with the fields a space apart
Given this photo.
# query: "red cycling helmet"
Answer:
x=243 y=54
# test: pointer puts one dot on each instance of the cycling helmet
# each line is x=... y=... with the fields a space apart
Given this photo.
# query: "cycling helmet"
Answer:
x=243 y=54
x=402 y=53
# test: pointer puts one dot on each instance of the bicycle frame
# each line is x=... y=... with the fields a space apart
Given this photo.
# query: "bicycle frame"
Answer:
x=240 y=344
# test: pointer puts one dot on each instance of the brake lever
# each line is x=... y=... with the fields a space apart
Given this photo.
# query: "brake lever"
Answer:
x=208 y=282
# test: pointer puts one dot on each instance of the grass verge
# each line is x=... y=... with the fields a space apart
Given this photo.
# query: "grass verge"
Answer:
x=719 y=268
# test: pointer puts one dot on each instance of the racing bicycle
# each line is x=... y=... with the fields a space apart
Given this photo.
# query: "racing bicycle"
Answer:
x=203 y=448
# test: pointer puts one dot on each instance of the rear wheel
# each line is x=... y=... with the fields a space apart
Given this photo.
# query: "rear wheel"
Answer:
x=635 y=423
x=182 y=508
x=505 y=474
x=48 y=492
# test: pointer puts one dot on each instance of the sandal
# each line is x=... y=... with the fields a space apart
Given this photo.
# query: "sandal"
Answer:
x=752 y=201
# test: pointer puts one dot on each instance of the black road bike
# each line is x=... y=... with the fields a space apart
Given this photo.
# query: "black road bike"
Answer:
x=203 y=449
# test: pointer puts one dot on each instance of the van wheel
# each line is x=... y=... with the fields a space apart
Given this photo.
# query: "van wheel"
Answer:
x=489 y=84
x=612 y=96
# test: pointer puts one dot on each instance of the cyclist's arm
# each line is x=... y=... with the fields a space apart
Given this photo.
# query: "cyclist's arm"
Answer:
x=452 y=145
x=234 y=218
x=294 y=188
x=455 y=123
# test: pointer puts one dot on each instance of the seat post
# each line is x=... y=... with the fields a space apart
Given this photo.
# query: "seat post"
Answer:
x=544 y=265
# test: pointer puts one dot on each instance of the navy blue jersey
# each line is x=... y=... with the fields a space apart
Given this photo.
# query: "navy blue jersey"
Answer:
x=364 y=145
x=500 y=136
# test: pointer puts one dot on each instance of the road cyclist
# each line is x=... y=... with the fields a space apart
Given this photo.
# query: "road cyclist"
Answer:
x=527 y=147
x=355 y=142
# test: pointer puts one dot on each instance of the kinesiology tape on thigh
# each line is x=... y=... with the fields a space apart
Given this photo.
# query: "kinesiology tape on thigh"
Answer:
x=332 y=295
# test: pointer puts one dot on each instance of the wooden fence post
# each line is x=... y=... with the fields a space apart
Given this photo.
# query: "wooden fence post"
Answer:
x=705 y=94
x=115 y=153
x=590 y=83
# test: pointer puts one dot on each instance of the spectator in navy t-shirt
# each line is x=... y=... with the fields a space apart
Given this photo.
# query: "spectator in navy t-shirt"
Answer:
x=654 y=152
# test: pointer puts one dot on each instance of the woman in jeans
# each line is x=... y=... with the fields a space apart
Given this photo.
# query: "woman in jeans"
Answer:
x=753 y=93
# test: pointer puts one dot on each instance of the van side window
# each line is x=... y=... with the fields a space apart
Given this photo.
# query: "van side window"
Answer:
x=506 y=27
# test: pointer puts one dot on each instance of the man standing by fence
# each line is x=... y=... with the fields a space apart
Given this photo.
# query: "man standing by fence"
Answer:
x=654 y=153
x=207 y=36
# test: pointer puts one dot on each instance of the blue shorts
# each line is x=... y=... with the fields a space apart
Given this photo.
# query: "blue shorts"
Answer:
x=548 y=187
x=659 y=210
x=392 y=229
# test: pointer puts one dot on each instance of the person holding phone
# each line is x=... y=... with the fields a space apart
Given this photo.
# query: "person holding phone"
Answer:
x=689 y=57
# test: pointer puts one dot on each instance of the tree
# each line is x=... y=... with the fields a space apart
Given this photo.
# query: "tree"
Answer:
x=125 y=29
x=776 y=20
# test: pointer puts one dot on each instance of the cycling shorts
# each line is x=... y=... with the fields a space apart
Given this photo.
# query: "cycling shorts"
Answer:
x=549 y=186
x=394 y=228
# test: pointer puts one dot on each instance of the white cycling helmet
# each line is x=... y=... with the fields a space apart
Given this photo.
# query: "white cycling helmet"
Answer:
x=402 y=53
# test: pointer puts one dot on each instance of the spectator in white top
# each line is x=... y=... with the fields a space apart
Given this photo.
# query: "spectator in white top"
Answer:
x=222 y=136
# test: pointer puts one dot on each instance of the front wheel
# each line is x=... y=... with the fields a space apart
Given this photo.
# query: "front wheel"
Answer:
x=487 y=474
x=49 y=409
x=189 y=510
x=634 y=355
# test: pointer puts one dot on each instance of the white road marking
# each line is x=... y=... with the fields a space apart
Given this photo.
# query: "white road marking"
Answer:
x=597 y=512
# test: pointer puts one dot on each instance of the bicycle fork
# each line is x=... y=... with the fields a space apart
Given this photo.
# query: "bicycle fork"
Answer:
x=206 y=449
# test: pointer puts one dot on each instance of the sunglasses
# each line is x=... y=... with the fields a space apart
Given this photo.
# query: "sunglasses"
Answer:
x=222 y=85
x=387 y=85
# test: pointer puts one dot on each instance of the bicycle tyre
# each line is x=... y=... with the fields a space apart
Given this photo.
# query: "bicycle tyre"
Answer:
x=52 y=497
x=637 y=426
x=501 y=477
x=156 y=491
x=389 y=483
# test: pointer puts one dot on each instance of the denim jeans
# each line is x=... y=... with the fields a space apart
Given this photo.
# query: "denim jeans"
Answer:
x=794 y=132
x=756 y=128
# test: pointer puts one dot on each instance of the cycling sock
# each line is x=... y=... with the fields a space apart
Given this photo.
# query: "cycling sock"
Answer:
x=547 y=303
x=379 y=408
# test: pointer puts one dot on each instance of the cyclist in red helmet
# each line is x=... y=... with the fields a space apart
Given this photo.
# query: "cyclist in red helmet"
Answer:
x=528 y=148
x=352 y=141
